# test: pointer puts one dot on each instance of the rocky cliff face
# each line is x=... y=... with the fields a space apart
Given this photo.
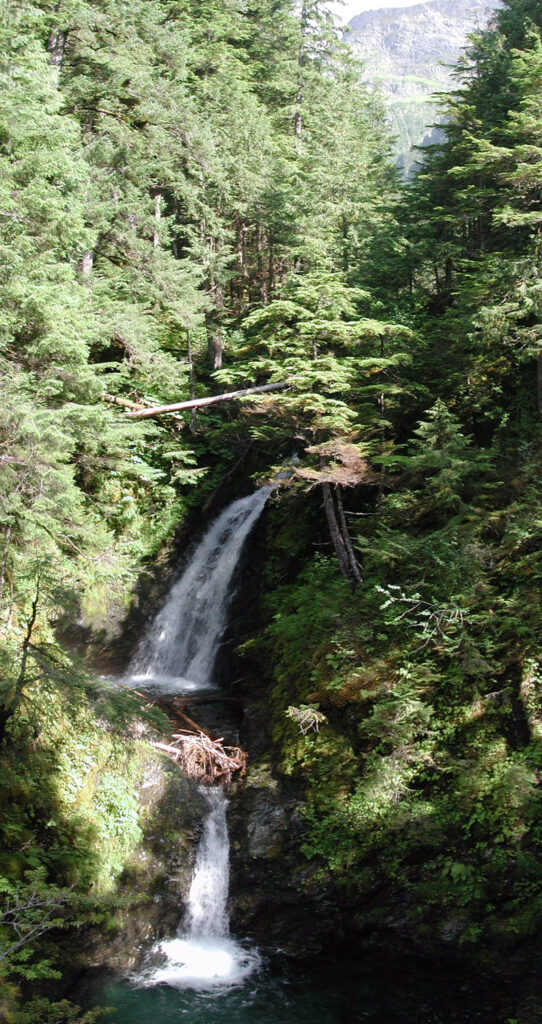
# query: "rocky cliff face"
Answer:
x=153 y=888
x=407 y=52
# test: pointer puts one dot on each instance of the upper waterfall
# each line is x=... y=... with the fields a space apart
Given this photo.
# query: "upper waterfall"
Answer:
x=179 y=648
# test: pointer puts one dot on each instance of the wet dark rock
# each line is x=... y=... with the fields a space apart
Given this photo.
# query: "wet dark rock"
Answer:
x=276 y=897
x=266 y=830
x=452 y=929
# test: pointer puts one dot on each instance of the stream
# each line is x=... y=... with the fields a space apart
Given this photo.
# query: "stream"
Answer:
x=203 y=974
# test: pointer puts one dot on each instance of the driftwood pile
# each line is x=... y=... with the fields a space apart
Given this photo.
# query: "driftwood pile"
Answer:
x=203 y=758
x=199 y=755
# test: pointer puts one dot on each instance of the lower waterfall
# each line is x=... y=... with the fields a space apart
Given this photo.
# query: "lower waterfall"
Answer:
x=204 y=955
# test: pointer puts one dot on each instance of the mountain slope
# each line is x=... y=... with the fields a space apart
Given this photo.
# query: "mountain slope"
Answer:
x=407 y=52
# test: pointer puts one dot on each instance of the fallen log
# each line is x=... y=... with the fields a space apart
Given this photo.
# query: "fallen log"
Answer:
x=201 y=698
x=194 y=726
x=174 y=709
x=198 y=403
x=135 y=406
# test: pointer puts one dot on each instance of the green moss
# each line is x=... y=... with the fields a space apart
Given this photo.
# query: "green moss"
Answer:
x=70 y=818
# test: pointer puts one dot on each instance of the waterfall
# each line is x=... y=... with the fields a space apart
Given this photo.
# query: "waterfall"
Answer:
x=177 y=654
x=178 y=650
x=204 y=955
x=207 y=913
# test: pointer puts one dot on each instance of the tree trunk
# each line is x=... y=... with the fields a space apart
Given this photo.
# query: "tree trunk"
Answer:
x=347 y=539
x=335 y=533
x=344 y=232
x=214 y=339
x=192 y=390
x=271 y=270
x=482 y=233
x=56 y=43
x=539 y=381
x=87 y=263
x=197 y=403
x=11 y=703
x=298 y=117
x=157 y=218
x=262 y=280
x=213 y=324
x=7 y=540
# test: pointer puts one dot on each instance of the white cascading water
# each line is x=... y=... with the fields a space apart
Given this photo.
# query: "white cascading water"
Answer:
x=177 y=655
x=204 y=955
x=178 y=650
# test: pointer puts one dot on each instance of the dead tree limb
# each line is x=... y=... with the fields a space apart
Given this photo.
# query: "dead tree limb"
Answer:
x=167 y=748
x=197 y=403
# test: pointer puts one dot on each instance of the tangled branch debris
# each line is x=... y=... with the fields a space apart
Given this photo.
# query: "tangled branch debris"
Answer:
x=203 y=758
x=195 y=751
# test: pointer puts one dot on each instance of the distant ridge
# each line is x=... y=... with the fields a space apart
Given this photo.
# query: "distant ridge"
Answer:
x=405 y=52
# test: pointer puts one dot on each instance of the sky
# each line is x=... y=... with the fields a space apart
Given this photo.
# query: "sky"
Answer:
x=352 y=7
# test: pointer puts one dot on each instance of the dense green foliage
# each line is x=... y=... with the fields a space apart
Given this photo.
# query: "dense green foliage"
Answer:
x=198 y=196
x=167 y=174
x=423 y=785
